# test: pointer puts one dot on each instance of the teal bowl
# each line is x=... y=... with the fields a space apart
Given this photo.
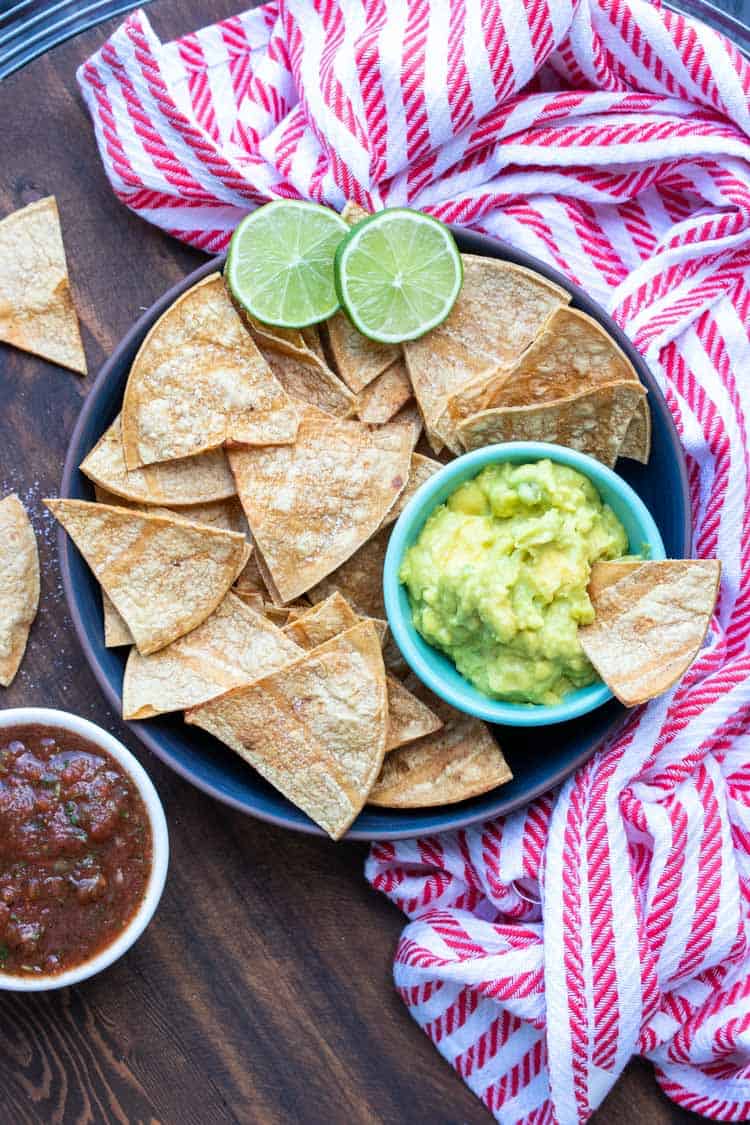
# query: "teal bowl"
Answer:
x=435 y=669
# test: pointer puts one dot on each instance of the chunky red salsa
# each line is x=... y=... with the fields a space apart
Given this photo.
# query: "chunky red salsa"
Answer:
x=75 y=850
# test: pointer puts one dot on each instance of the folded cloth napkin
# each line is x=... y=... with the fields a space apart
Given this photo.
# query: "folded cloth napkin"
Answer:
x=609 y=138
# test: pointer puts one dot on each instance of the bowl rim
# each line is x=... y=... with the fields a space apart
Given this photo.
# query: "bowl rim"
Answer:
x=411 y=521
x=66 y=720
x=445 y=817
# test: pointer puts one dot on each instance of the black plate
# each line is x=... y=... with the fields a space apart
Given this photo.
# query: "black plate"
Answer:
x=539 y=757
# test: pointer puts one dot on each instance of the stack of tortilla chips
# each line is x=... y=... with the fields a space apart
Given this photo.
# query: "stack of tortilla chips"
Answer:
x=245 y=497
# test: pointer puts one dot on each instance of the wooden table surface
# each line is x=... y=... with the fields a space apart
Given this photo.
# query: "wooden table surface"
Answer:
x=262 y=990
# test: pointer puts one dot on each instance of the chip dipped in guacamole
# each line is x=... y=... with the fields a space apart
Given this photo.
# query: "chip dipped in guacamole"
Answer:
x=498 y=578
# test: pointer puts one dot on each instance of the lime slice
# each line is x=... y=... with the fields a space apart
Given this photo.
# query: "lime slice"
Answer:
x=398 y=274
x=280 y=263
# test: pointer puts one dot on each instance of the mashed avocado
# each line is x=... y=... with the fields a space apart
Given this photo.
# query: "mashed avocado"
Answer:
x=497 y=578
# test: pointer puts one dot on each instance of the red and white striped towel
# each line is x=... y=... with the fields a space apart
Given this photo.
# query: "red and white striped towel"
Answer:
x=610 y=138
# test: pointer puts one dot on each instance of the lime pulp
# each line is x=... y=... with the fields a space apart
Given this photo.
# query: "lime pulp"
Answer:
x=280 y=263
x=398 y=274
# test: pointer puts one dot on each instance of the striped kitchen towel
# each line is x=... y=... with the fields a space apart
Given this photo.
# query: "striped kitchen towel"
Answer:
x=609 y=138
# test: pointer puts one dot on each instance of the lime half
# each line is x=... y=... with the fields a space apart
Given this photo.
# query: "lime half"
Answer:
x=398 y=274
x=280 y=263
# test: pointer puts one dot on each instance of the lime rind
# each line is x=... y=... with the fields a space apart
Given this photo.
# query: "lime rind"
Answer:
x=398 y=274
x=280 y=263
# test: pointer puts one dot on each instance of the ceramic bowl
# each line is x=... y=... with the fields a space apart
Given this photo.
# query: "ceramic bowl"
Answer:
x=438 y=671
x=44 y=716
x=538 y=763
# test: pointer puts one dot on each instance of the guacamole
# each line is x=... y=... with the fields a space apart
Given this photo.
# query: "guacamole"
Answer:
x=497 y=578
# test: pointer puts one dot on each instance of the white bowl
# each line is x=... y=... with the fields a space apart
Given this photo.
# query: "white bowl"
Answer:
x=43 y=716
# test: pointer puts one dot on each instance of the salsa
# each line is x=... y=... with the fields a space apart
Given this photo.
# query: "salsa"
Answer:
x=75 y=850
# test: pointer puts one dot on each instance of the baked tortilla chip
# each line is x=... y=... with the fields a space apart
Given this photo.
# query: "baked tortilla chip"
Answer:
x=409 y=419
x=606 y=572
x=250 y=581
x=226 y=514
x=36 y=308
x=172 y=484
x=19 y=585
x=321 y=622
x=571 y=355
x=422 y=468
x=359 y=579
x=311 y=505
x=317 y=624
x=233 y=646
x=308 y=379
x=637 y=441
x=313 y=343
x=199 y=381
x=385 y=395
x=116 y=632
x=352 y=213
x=408 y=717
x=501 y=308
x=358 y=360
x=165 y=575
x=250 y=598
x=458 y=762
x=650 y=626
x=594 y=422
x=289 y=340
x=315 y=729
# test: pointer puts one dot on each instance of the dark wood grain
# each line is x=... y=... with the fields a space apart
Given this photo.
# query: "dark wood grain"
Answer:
x=262 y=991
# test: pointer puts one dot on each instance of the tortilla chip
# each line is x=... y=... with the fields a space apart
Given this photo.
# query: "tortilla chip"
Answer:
x=251 y=598
x=251 y=581
x=409 y=419
x=173 y=484
x=385 y=395
x=393 y=659
x=36 y=307
x=289 y=340
x=19 y=585
x=199 y=381
x=460 y=761
x=573 y=354
x=359 y=579
x=278 y=614
x=226 y=514
x=358 y=360
x=116 y=632
x=606 y=572
x=408 y=717
x=322 y=621
x=315 y=729
x=594 y=422
x=308 y=379
x=233 y=646
x=313 y=343
x=501 y=308
x=637 y=441
x=318 y=623
x=164 y=575
x=311 y=505
x=352 y=213
x=650 y=626
x=422 y=468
